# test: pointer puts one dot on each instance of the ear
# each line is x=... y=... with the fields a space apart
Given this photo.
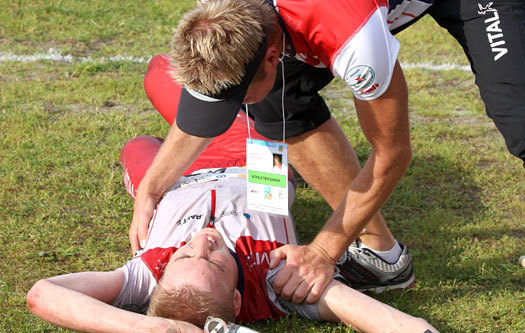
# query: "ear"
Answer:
x=237 y=301
x=271 y=57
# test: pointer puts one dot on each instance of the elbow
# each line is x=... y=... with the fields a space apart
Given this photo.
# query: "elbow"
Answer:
x=34 y=298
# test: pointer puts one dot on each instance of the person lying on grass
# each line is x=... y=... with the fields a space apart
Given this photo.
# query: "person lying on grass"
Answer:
x=206 y=255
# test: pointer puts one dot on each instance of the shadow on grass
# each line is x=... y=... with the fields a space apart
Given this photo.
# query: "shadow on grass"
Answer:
x=438 y=211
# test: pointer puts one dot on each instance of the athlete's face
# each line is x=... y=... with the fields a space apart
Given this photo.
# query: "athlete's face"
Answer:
x=204 y=263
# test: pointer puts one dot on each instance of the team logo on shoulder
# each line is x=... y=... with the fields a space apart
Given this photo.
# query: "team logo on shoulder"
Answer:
x=360 y=77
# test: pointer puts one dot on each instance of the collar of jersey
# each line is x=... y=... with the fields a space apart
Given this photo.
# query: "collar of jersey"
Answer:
x=240 y=278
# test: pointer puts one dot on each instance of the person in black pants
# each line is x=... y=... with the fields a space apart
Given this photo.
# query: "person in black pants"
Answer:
x=492 y=34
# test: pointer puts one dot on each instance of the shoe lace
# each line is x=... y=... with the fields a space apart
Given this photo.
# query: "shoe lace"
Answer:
x=356 y=251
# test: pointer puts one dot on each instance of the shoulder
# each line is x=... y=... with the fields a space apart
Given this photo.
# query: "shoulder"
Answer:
x=137 y=285
x=319 y=29
x=327 y=10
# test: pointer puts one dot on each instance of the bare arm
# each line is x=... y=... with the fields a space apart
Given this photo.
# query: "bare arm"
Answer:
x=79 y=301
x=384 y=122
x=177 y=153
x=340 y=303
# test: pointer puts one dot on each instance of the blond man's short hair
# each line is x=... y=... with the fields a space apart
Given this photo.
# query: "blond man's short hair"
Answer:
x=213 y=42
x=189 y=304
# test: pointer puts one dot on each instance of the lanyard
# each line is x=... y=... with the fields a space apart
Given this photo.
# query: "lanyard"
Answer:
x=267 y=169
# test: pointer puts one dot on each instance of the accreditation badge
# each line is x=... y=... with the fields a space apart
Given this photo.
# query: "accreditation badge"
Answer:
x=267 y=176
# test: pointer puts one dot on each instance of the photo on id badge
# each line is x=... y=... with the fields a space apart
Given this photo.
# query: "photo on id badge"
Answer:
x=277 y=161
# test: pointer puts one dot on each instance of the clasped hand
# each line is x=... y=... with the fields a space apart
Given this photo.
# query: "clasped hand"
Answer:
x=138 y=230
x=307 y=272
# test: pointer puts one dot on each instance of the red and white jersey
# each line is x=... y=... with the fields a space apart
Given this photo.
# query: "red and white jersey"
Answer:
x=402 y=12
x=185 y=211
x=351 y=37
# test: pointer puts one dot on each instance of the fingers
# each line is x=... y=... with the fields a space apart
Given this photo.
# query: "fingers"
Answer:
x=134 y=241
x=142 y=214
x=317 y=290
x=282 y=278
x=143 y=233
x=138 y=233
x=305 y=275
x=289 y=289
x=301 y=292
x=277 y=255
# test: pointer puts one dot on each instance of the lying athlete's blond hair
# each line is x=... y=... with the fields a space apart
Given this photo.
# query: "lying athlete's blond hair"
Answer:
x=189 y=304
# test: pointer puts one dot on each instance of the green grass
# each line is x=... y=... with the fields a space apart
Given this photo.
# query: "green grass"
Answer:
x=459 y=207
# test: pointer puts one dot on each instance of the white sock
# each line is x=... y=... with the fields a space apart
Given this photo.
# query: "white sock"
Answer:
x=391 y=256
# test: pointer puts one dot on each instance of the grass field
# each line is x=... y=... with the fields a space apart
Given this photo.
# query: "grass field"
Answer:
x=459 y=208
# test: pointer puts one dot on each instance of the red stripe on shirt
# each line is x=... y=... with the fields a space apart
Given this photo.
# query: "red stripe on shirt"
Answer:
x=286 y=231
x=406 y=14
x=212 y=213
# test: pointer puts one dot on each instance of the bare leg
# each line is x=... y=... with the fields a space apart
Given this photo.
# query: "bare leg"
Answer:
x=326 y=160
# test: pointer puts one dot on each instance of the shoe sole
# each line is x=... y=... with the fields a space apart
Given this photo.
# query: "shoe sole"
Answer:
x=408 y=284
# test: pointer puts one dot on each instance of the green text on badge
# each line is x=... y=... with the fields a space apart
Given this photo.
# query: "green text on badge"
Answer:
x=266 y=178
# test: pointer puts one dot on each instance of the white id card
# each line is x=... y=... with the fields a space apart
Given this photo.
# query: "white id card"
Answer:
x=267 y=176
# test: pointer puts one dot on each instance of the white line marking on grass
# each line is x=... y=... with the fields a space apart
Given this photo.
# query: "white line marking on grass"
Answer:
x=436 y=67
x=53 y=55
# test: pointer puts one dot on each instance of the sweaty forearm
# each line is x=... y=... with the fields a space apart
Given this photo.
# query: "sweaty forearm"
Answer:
x=72 y=309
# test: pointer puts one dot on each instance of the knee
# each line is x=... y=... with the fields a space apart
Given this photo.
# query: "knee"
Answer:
x=160 y=60
x=33 y=298
x=161 y=89
x=139 y=146
x=156 y=73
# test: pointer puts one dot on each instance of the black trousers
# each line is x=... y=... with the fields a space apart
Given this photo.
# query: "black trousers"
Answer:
x=492 y=34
